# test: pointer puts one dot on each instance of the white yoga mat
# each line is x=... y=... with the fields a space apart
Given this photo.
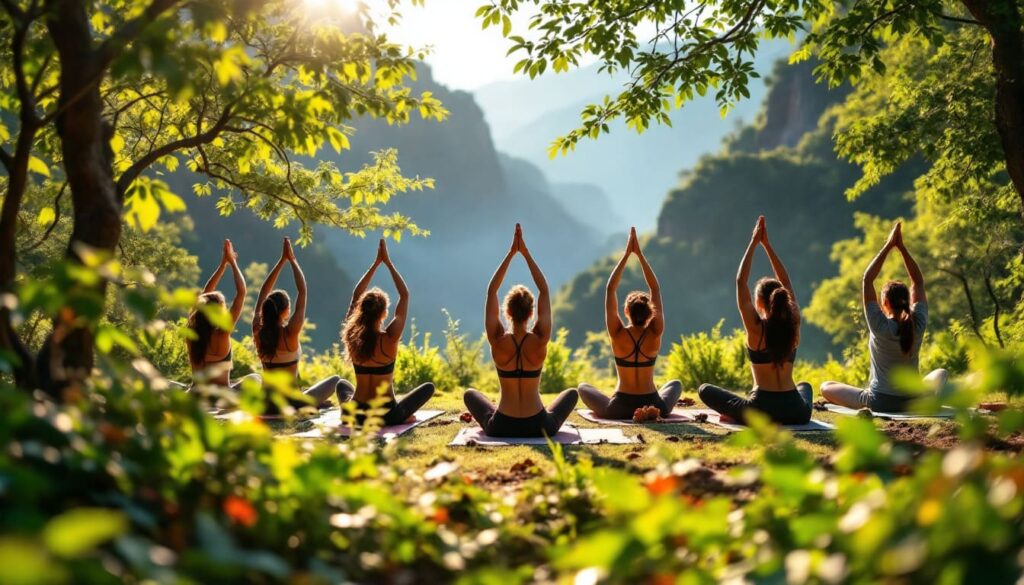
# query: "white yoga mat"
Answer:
x=714 y=418
x=329 y=425
x=568 y=435
x=677 y=417
x=946 y=412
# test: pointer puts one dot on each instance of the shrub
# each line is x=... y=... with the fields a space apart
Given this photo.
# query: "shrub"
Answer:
x=417 y=364
x=325 y=364
x=464 y=358
x=710 y=358
x=563 y=368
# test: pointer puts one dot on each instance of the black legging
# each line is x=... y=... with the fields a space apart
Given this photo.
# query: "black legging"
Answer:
x=789 y=407
x=497 y=424
x=621 y=405
x=398 y=410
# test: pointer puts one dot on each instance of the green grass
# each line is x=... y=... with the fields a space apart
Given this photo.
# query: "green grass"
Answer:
x=427 y=444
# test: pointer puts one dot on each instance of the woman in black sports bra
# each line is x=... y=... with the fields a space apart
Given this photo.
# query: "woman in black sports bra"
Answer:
x=372 y=350
x=209 y=353
x=518 y=355
x=635 y=345
x=772 y=324
x=276 y=333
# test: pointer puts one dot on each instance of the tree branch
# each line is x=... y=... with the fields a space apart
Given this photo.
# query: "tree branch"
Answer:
x=998 y=308
x=970 y=300
x=129 y=31
x=156 y=154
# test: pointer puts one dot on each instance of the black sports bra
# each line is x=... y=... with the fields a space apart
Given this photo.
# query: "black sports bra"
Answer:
x=625 y=362
x=381 y=370
x=761 y=356
x=519 y=372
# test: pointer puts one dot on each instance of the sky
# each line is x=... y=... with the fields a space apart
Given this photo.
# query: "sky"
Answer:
x=463 y=56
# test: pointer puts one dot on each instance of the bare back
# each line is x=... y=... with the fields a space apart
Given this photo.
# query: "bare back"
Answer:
x=520 y=396
x=770 y=377
x=378 y=380
x=632 y=346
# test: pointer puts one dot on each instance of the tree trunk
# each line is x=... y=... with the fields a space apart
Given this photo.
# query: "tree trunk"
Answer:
x=17 y=181
x=67 y=357
x=1003 y=21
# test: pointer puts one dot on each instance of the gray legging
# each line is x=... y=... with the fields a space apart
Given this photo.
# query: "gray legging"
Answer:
x=317 y=395
x=497 y=424
x=233 y=385
x=622 y=405
x=788 y=407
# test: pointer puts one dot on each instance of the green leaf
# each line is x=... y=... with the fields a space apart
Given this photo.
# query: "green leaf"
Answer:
x=78 y=532
x=36 y=165
x=46 y=216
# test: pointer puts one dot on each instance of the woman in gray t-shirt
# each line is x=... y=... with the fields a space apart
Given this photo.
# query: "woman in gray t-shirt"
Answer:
x=896 y=327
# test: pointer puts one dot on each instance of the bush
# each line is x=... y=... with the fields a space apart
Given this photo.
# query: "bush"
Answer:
x=332 y=362
x=415 y=365
x=563 y=368
x=464 y=358
x=710 y=358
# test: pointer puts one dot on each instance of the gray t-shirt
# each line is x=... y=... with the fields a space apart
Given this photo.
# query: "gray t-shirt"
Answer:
x=884 y=345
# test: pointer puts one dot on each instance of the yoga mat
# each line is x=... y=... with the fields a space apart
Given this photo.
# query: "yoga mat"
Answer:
x=946 y=412
x=715 y=419
x=567 y=436
x=329 y=425
x=677 y=417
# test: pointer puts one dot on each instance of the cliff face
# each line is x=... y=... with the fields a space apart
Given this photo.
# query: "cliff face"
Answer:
x=782 y=167
x=479 y=196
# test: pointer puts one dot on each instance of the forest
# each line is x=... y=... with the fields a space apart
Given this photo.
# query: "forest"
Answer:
x=162 y=425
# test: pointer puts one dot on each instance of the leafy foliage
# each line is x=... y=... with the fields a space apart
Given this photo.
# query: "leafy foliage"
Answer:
x=710 y=357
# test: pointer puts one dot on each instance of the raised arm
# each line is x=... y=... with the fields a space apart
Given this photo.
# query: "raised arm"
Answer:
x=268 y=286
x=298 y=317
x=868 y=292
x=745 y=304
x=364 y=282
x=492 y=316
x=612 y=319
x=542 y=328
x=239 y=301
x=658 y=322
x=397 y=324
x=777 y=266
x=211 y=285
x=917 y=294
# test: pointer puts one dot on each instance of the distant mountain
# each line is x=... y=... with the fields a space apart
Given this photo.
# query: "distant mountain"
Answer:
x=634 y=170
x=783 y=167
x=257 y=240
x=479 y=197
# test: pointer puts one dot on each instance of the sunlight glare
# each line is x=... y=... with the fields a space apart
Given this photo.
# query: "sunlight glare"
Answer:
x=343 y=6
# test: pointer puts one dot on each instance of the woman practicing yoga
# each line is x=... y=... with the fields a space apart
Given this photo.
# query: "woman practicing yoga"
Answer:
x=276 y=332
x=638 y=342
x=519 y=356
x=896 y=329
x=209 y=353
x=773 y=334
x=372 y=349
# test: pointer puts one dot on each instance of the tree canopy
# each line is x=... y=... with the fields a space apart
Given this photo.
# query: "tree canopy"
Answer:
x=676 y=49
x=101 y=98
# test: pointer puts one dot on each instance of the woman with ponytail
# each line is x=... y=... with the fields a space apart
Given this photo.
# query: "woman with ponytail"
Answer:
x=772 y=323
x=372 y=348
x=896 y=328
x=209 y=352
x=635 y=345
x=276 y=330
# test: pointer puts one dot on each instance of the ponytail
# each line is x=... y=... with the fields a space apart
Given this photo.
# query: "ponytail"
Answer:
x=780 y=324
x=268 y=324
x=200 y=324
x=361 y=330
x=897 y=296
